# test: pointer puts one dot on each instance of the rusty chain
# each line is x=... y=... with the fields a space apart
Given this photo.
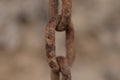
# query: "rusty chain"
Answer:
x=61 y=22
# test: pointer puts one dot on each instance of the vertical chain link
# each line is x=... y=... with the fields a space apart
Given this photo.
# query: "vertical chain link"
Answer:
x=60 y=65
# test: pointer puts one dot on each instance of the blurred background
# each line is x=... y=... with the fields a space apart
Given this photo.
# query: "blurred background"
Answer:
x=22 y=42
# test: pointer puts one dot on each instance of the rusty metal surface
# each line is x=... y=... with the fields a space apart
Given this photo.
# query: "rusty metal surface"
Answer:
x=60 y=65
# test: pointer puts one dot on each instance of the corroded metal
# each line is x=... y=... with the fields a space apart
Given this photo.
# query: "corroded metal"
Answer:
x=61 y=22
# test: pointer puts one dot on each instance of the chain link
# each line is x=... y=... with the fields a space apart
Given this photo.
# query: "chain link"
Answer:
x=61 y=22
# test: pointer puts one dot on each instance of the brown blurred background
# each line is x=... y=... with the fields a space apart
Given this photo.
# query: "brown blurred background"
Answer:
x=97 y=34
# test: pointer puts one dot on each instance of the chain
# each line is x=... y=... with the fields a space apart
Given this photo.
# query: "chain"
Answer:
x=60 y=65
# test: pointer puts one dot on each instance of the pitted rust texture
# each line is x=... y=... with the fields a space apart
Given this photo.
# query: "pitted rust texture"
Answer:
x=60 y=65
x=50 y=43
x=66 y=15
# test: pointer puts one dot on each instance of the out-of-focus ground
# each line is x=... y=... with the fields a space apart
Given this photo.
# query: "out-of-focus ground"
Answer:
x=97 y=40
